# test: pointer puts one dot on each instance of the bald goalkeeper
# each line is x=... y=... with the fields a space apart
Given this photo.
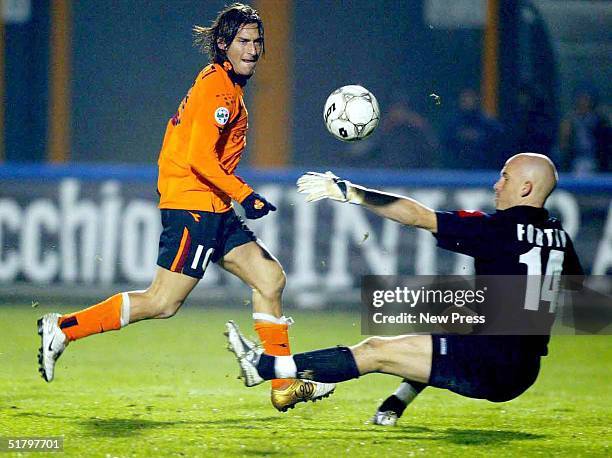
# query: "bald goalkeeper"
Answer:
x=519 y=239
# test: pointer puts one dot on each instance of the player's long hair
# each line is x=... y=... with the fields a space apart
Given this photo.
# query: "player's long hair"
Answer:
x=224 y=28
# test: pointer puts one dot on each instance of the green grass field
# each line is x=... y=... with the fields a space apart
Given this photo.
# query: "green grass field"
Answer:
x=169 y=388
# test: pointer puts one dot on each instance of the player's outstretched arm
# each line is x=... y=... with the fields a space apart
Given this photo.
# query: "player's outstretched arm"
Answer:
x=398 y=208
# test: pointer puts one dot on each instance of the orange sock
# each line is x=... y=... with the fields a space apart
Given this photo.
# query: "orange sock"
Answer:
x=105 y=316
x=275 y=340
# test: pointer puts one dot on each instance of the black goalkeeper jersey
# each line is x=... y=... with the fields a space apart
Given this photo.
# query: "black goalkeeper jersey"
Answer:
x=520 y=241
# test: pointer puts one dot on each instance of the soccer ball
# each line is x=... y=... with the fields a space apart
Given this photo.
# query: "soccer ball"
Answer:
x=351 y=113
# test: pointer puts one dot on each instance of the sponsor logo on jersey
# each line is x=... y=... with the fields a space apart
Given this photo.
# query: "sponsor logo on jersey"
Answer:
x=221 y=115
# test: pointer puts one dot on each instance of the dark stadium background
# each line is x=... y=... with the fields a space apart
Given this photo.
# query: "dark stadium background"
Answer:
x=130 y=63
x=89 y=86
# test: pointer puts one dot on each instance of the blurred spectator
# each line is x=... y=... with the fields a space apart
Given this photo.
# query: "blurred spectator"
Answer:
x=584 y=136
x=472 y=137
x=535 y=122
x=405 y=140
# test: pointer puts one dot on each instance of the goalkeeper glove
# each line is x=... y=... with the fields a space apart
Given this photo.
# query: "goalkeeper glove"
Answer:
x=255 y=206
x=326 y=185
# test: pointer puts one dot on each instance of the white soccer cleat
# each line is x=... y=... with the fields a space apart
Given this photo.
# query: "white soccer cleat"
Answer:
x=247 y=352
x=53 y=344
x=388 y=418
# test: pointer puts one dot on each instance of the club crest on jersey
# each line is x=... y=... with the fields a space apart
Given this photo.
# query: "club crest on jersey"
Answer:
x=221 y=115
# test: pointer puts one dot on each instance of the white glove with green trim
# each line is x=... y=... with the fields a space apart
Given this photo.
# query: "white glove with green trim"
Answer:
x=326 y=185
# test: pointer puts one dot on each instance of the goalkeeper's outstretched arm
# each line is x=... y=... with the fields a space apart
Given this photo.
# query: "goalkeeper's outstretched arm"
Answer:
x=398 y=208
x=402 y=209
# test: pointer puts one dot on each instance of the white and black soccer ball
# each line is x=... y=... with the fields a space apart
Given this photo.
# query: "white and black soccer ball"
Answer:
x=351 y=113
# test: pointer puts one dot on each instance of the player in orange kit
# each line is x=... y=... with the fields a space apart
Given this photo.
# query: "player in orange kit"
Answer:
x=202 y=146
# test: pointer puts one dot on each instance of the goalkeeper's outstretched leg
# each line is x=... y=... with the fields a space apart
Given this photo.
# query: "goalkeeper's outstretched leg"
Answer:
x=481 y=367
x=405 y=356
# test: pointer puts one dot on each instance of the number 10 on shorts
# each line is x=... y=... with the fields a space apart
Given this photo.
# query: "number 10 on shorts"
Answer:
x=198 y=255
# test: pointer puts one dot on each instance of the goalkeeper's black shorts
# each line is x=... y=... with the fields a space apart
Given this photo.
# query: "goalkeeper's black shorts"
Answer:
x=496 y=368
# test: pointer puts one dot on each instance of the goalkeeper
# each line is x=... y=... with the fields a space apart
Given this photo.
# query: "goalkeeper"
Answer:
x=493 y=367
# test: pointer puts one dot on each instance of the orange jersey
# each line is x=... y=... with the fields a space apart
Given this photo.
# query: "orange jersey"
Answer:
x=202 y=146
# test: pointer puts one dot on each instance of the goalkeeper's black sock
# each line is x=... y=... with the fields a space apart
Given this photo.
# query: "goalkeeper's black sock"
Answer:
x=394 y=404
x=265 y=367
x=404 y=395
x=330 y=365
